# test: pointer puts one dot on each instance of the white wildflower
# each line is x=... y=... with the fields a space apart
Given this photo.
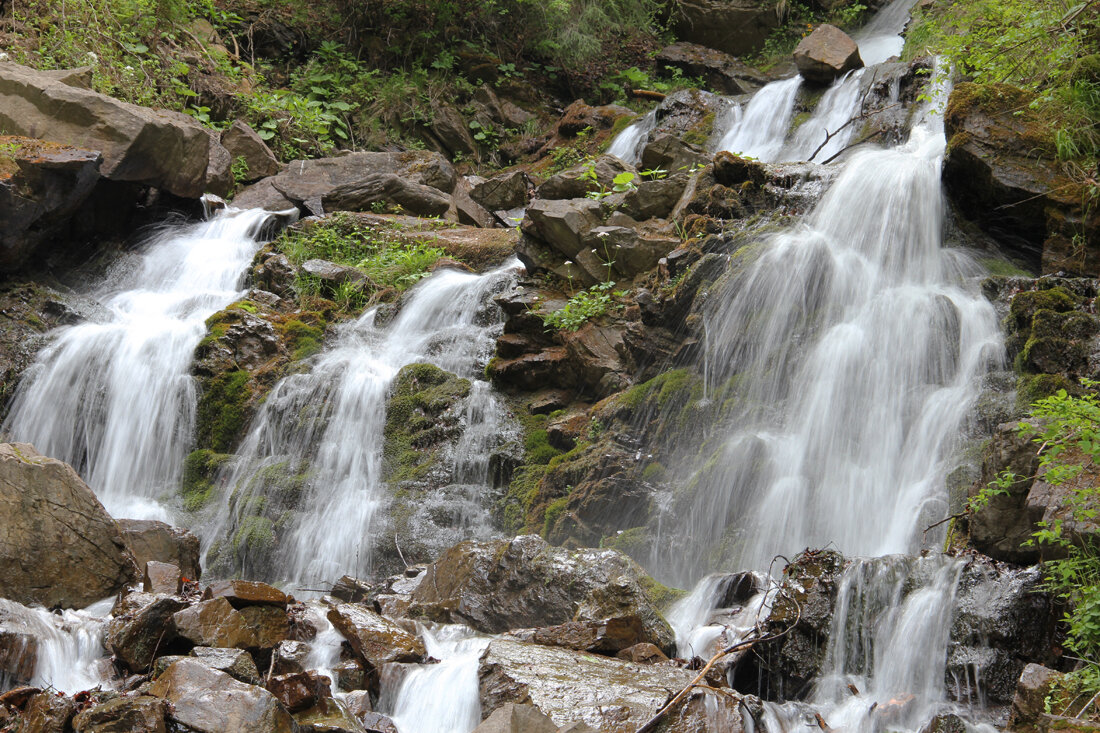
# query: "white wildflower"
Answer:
x=601 y=234
x=3 y=56
x=92 y=58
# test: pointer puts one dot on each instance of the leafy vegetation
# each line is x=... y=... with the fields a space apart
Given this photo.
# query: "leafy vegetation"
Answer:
x=581 y=308
x=1049 y=47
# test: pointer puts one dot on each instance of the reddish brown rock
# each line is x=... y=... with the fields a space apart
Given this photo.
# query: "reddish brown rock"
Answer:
x=241 y=593
x=825 y=54
x=300 y=690
x=374 y=638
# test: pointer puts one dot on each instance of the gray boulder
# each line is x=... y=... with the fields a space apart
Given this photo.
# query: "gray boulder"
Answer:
x=825 y=54
x=151 y=540
x=136 y=634
x=164 y=150
x=722 y=72
x=243 y=144
x=387 y=188
x=208 y=701
x=512 y=718
x=605 y=693
x=562 y=224
x=525 y=583
x=502 y=193
x=59 y=545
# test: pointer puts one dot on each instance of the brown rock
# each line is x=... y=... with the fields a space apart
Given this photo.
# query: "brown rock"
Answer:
x=642 y=654
x=160 y=149
x=60 y=547
x=328 y=716
x=289 y=657
x=244 y=144
x=18 y=644
x=135 y=636
x=151 y=540
x=142 y=714
x=512 y=718
x=162 y=577
x=1031 y=692
x=608 y=636
x=241 y=593
x=825 y=54
x=738 y=27
x=48 y=712
x=374 y=638
x=208 y=701
x=377 y=723
x=722 y=72
x=300 y=690
x=216 y=623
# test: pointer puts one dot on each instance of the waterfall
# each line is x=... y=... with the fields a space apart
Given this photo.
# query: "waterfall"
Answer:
x=69 y=653
x=760 y=129
x=887 y=652
x=113 y=397
x=431 y=698
x=832 y=116
x=628 y=144
x=854 y=346
x=319 y=434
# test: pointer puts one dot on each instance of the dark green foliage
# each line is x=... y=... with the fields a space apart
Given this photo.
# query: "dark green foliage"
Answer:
x=200 y=469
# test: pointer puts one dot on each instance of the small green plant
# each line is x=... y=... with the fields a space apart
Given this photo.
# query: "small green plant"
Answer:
x=581 y=308
x=240 y=170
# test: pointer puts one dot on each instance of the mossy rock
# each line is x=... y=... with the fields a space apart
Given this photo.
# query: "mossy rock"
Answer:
x=200 y=469
x=1025 y=304
x=420 y=418
x=223 y=411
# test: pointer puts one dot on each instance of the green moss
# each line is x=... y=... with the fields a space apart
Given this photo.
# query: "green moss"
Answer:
x=200 y=468
x=1025 y=304
x=553 y=510
x=654 y=472
x=998 y=267
x=254 y=535
x=222 y=410
x=417 y=420
x=700 y=132
x=537 y=448
x=660 y=595
x=514 y=506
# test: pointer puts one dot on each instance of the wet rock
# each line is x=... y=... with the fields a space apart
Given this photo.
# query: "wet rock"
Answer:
x=350 y=590
x=737 y=27
x=562 y=224
x=825 y=54
x=18 y=644
x=358 y=703
x=48 y=712
x=42 y=186
x=159 y=149
x=1002 y=620
x=248 y=150
x=599 y=357
x=151 y=540
x=216 y=623
x=1029 y=700
x=629 y=253
x=578 y=116
x=161 y=577
x=236 y=663
x=1001 y=172
x=608 y=694
x=142 y=714
x=241 y=593
x=722 y=72
x=350 y=675
x=509 y=584
x=289 y=657
x=305 y=183
x=205 y=700
x=504 y=192
x=329 y=716
x=609 y=636
x=300 y=690
x=375 y=639
x=947 y=723
x=512 y=718
x=377 y=723
x=642 y=654
x=135 y=636
x=61 y=548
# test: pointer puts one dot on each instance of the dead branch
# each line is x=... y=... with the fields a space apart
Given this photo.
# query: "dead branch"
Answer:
x=647 y=94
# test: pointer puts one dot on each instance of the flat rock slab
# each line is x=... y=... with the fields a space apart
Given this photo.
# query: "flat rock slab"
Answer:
x=209 y=701
x=374 y=638
x=242 y=593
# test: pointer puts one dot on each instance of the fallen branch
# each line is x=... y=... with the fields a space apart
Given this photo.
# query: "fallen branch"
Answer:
x=647 y=94
x=849 y=146
x=749 y=641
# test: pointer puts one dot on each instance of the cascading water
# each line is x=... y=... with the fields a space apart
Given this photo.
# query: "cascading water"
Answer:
x=854 y=348
x=887 y=651
x=113 y=397
x=759 y=130
x=322 y=431
x=832 y=117
x=68 y=646
x=432 y=698
x=628 y=144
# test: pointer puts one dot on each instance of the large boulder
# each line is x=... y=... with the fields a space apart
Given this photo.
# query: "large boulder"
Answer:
x=825 y=54
x=722 y=72
x=141 y=629
x=41 y=187
x=251 y=157
x=502 y=193
x=562 y=224
x=375 y=639
x=738 y=27
x=1002 y=172
x=141 y=714
x=165 y=150
x=148 y=540
x=525 y=583
x=59 y=545
x=216 y=623
x=607 y=694
x=208 y=701
x=353 y=180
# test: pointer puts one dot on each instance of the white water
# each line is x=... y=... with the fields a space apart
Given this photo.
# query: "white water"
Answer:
x=70 y=653
x=628 y=144
x=113 y=397
x=837 y=107
x=696 y=631
x=329 y=421
x=439 y=698
x=886 y=658
x=881 y=38
x=857 y=348
x=758 y=131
